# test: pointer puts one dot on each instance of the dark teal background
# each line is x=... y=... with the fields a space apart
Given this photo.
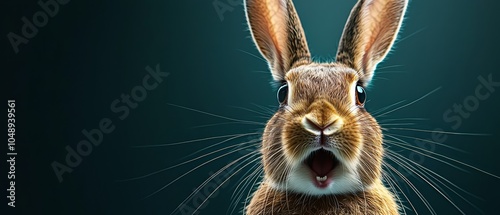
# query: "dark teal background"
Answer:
x=91 y=52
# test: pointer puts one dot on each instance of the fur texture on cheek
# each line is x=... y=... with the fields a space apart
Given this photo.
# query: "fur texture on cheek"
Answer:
x=274 y=159
x=371 y=155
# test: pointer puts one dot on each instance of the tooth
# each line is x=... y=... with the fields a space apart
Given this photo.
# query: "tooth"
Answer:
x=321 y=179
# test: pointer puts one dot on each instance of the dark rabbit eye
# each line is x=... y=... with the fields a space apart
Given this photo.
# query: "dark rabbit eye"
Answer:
x=282 y=93
x=360 y=96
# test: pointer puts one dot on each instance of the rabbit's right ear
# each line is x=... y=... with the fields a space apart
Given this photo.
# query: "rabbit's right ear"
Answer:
x=277 y=32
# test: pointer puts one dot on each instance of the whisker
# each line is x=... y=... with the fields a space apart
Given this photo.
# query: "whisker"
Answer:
x=422 y=198
x=402 y=192
x=412 y=34
x=252 y=181
x=247 y=199
x=195 y=140
x=237 y=162
x=408 y=104
x=264 y=114
x=224 y=141
x=380 y=78
x=247 y=185
x=222 y=123
x=208 y=196
x=389 y=72
x=432 y=184
x=440 y=132
x=445 y=157
x=203 y=164
x=253 y=55
x=393 y=124
x=388 y=67
x=429 y=172
x=180 y=164
x=430 y=141
x=374 y=113
x=406 y=145
x=216 y=115
x=260 y=71
x=241 y=182
x=400 y=119
x=269 y=110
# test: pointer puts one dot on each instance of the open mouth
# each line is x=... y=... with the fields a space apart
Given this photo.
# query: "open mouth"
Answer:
x=322 y=163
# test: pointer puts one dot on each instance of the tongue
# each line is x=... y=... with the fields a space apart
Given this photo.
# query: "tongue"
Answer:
x=322 y=163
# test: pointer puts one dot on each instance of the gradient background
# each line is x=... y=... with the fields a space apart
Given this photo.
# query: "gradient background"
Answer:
x=91 y=52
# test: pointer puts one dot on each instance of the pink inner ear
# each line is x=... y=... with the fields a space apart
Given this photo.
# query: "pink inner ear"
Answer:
x=378 y=26
x=277 y=31
x=372 y=25
x=269 y=21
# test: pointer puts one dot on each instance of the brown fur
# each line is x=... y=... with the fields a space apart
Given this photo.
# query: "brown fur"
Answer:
x=377 y=201
x=324 y=94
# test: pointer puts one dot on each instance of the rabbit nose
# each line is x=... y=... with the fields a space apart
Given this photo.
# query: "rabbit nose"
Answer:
x=328 y=127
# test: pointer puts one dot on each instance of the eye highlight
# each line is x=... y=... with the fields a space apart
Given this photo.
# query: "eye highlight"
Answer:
x=360 y=96
x=282 y=93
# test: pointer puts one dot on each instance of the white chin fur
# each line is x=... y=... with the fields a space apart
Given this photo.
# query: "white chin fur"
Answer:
x=300 y=181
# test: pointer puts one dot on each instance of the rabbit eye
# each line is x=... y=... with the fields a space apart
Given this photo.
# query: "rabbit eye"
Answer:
x=282 y=93
x=360 y=96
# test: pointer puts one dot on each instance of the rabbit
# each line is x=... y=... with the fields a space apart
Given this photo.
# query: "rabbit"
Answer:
x=322 y=151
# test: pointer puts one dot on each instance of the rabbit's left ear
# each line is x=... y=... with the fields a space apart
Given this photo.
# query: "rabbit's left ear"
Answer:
x=369 y=34
x=277 y=32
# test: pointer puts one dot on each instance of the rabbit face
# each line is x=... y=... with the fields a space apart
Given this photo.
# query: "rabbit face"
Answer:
x=322 y=140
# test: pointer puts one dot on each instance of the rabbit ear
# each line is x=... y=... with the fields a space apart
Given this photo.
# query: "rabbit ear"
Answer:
x=277 y=32
x=369 y=34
